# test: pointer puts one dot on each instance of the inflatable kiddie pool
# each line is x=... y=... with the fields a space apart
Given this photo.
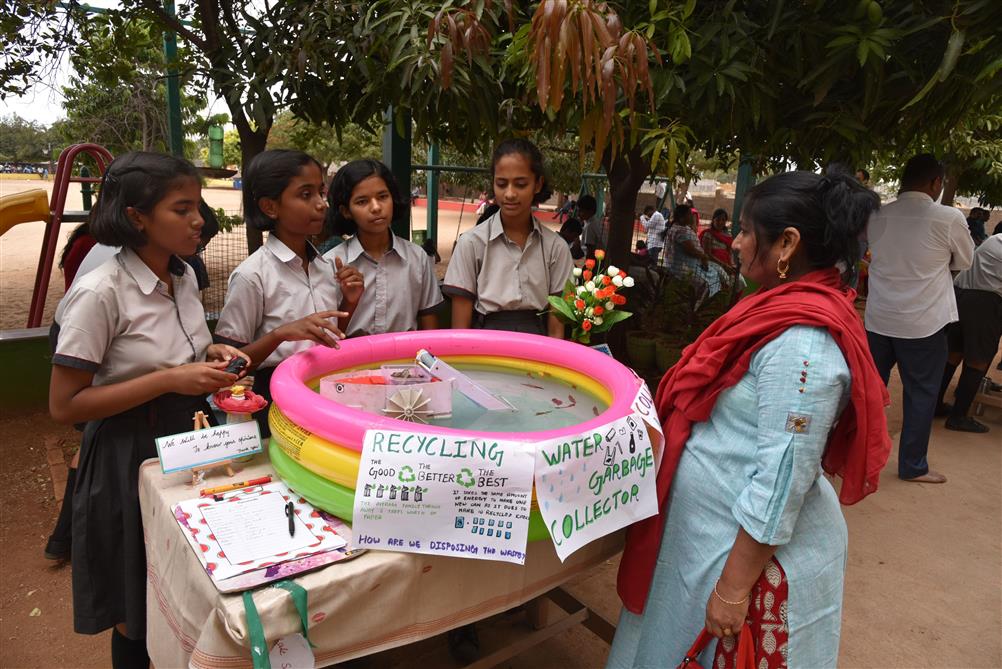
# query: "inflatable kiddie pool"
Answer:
x=557 y=388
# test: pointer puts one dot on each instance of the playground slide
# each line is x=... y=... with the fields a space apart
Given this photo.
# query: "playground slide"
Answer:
x=24 y=207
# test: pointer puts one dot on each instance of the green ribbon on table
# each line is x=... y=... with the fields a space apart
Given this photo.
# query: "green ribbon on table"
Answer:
x=299 y=598
x=258 y=643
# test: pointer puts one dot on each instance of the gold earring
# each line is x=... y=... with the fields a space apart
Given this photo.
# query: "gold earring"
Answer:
x=782 y=267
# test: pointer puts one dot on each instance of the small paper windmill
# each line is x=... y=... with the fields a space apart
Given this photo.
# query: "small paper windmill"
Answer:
x=409 y=404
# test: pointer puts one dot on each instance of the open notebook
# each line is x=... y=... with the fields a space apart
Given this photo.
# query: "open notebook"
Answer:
x=243 y=540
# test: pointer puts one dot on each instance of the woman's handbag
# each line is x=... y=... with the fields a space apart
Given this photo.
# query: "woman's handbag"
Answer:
x=746 y=650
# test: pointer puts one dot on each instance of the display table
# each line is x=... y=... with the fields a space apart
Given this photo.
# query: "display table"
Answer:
x=377 y=601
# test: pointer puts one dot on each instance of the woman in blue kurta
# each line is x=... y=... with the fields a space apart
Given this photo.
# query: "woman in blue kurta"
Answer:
x=776 y=390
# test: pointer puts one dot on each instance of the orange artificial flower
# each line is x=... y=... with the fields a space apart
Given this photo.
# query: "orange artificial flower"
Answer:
x=622 y=274
x=618 y=299
x=579 y=304
x=586 y=326
x=599 y=254
x=606 y=280
x=599 y=311
x=586 y=275
x=590 y=263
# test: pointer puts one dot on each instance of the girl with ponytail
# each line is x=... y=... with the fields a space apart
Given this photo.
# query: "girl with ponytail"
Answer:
x=776 y=392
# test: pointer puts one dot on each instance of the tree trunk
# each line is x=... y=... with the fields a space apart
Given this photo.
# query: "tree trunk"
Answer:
x=627 y=174
x=950 y=183
x=252 y=142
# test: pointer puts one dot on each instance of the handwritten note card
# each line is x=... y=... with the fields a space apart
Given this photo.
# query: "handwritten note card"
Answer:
x=593 y=484
x=203 y=447
x=441 y=495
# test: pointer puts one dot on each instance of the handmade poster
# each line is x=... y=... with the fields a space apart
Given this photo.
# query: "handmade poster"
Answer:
x=643 y=406
x=249 y=530
x=199 y=448
x=444 y=495
x=595 y=483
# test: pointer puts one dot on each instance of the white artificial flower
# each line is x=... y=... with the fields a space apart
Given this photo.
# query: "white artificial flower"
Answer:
x=612 y=271
x=609 y=306
x=628 y=282
x=590 y=286
x=577 y=271
x=597 y=320
x=617 y=281
x=581 y=290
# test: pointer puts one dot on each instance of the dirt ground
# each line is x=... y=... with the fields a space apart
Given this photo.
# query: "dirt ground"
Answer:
x=922 y=586
x=923 y=583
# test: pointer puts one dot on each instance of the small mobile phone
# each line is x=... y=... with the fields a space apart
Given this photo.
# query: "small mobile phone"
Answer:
x=236 y=365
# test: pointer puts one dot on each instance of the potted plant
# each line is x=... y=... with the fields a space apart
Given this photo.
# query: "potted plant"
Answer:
x=640 y=342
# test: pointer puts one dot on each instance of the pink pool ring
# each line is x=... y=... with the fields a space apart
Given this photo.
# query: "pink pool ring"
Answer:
x=346 y=426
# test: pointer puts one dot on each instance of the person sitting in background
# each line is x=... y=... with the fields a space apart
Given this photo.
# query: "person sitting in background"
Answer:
x=570 y=231
x=974 y=338
x=566 y=210
x=686 y=259
x=641 y=256
x=976 y=224
x=863 y=177
x=715 y=240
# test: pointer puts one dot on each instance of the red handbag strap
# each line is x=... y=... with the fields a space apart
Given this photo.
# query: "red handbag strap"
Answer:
x=746 y=648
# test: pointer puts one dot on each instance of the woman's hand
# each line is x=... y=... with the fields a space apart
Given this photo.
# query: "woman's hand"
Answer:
x=199 y=378
x=315 y=328
x=224 y=352
x=352 y=283
x=723 y=619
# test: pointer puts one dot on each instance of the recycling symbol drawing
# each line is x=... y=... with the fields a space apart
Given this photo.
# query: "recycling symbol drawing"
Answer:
x=465 y=478
x=406 y=474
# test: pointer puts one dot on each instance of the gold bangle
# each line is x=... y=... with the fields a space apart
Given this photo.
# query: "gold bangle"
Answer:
x=727 y=601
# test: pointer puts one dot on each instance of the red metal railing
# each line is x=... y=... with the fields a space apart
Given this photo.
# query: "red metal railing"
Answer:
x=62 y=179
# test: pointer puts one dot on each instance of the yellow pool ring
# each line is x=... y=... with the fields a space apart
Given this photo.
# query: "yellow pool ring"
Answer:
x=323 y=458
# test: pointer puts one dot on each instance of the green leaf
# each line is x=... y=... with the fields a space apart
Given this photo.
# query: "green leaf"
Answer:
x=862 y=51
x=562 y=309
x=609 y=319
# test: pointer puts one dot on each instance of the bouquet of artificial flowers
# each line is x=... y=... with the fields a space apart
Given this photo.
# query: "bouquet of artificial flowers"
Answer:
x=590 y=301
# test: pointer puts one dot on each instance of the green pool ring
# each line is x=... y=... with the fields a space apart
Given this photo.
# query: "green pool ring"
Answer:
x=340 y=501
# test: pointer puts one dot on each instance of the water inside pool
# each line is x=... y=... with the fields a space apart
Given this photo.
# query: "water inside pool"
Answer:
x=541 y=402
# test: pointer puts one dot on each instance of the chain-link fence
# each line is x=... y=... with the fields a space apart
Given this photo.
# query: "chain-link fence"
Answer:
x=221 y=256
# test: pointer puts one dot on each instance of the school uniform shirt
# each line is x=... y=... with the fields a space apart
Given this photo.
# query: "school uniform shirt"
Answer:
x=985 y=272
x=399 y=287
x=270 y=289
x=915 y=244
x=120 y=321
x=498 y=275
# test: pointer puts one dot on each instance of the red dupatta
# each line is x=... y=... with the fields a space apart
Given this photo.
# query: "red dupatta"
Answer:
x=859 y=444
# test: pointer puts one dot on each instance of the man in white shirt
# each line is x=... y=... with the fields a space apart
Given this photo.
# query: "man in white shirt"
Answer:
x=974 y=339
x=654 y=225
x=915 y=244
